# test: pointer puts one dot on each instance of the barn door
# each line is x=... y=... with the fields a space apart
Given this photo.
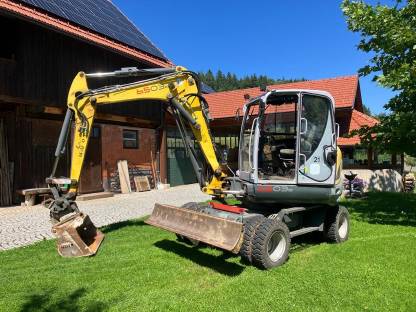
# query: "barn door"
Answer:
x=91 y=175
x=180 y=169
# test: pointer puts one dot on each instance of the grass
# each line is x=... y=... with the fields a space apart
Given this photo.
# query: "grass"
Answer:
x=143 y=268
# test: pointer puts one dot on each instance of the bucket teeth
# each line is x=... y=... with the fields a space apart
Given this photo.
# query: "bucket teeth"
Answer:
x=215 y=231
x=77 y=236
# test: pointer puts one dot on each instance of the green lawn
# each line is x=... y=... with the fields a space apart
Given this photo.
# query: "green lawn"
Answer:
x=143 y=268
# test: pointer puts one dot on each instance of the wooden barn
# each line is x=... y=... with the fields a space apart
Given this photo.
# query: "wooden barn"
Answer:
x=44 y=44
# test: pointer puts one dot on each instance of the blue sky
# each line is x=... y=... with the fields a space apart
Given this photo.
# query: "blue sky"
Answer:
x=291 y=39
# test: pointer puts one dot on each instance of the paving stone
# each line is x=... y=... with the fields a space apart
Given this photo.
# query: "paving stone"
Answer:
x=21 y=226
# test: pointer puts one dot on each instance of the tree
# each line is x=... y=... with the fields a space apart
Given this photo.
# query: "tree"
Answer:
x=209 y=78
x=367 y=110
x=229 y=81
x=389 y=34
x=410 y=161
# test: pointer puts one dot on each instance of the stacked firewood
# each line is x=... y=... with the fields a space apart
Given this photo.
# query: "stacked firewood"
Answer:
x=5 y=176
x=409 y=183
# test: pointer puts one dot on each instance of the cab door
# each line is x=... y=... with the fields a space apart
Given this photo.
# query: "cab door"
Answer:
x=248 y=143
x=317 y=140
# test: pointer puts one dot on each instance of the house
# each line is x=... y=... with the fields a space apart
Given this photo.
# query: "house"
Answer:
x=44 y=44
x=226 y=109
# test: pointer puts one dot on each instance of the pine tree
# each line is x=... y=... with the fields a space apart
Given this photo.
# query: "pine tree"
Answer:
x=230 y=81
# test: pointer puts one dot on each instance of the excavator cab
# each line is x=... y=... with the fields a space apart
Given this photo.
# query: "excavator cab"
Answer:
x=288 y=137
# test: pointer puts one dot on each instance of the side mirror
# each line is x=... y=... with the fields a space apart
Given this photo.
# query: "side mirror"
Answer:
x=331 y=156
x=303 y=125
x=337 y=130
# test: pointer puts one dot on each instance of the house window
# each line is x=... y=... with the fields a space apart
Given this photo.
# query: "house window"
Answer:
x=360 y=156
x=382 y=159
x=130 y=139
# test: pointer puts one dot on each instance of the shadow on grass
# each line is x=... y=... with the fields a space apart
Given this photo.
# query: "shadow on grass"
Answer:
x=121 y=225
x=216 y=263
x=305 y=241
x=384 y=208
x=70 y=302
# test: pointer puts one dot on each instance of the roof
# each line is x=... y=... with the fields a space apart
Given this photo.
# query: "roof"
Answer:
x=97 y=21
x=345 y=91
x=358 y=120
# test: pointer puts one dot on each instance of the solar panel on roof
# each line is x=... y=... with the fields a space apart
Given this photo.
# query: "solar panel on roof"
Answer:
x=206 y=88
x=102 y=17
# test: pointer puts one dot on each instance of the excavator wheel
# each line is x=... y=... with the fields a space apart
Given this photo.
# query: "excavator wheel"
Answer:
x=271 y=244
x=337 y=225
x=250 y=227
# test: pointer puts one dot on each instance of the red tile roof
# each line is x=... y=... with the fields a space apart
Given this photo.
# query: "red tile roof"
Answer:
x=344 y=90
x=78 y=32
x=348 y=141
x=358 y=120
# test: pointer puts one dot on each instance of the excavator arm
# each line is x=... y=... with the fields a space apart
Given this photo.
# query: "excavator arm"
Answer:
x=179 y=89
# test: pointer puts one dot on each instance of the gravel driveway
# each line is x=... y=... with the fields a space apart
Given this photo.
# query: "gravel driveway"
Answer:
x=20 y=226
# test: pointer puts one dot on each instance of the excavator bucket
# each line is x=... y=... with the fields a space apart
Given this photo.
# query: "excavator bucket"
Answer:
x=77 y=236
x=215 y=231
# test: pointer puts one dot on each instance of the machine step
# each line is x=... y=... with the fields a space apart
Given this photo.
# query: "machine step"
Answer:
x=304 y=231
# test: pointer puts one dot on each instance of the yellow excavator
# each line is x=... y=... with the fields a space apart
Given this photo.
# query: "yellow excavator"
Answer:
x=287 y=182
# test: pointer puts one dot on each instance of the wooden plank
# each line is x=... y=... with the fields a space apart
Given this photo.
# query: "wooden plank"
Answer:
x=142 y=183
x=5 y=185
x=91 y=196
x=34 y=191
x=123 y=171
x=155 y=179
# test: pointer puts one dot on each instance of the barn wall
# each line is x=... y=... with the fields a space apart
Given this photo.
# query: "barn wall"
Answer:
x=32 y=151
x=37 y=66
x=112 y=149
x=44 y=62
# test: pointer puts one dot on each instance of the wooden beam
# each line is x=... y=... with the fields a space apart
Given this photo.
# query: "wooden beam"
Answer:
x=16 y=100
x=108 y=117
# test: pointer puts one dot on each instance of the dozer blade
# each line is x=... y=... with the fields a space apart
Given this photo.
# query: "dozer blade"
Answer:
x=215 y=231
x=77 y=236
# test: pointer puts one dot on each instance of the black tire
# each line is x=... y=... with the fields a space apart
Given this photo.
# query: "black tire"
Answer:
x=271 y=244
x=250 y=227
x=194 y=206
x=183 y=239
x=337 y=225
